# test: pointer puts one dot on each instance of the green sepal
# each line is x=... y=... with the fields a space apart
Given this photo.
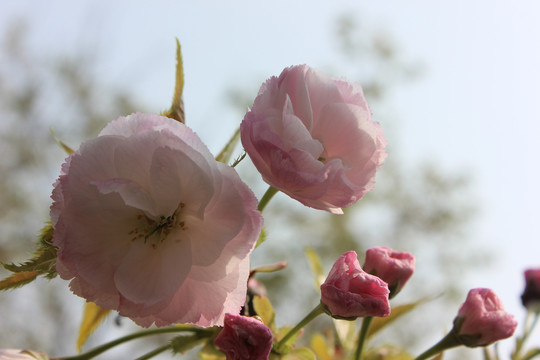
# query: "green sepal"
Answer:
x=43 y=263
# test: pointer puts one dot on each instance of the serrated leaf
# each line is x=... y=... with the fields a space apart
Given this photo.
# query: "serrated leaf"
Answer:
x=210 y=352
x=225 y=154
x=177 y=108
x=316 y=267
x=18 y=279
x=379 y=323
x=66 y=148
x=43 y=263
x=301 y=353
x=263 y=308
x=320 y=347
x=93 y=316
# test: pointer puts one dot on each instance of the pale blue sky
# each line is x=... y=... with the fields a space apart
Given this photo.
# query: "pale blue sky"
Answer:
x=476 y=107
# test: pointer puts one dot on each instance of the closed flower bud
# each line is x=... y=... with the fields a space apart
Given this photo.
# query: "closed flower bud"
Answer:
x=349 y=292
x=244 y=338
x=394 y=267
x=531 y=294
x=481 y=319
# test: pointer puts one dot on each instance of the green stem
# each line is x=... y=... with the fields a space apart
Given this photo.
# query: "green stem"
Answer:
x=532 y=355
x=102 y=348
x=362 y=337
x=447 y=342
x=528 y=328
x=266 y=198
x=155 y=352
x=309 y=317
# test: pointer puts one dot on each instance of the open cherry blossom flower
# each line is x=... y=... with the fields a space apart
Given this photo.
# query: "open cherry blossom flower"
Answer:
x=148 y=223
x=312 y=137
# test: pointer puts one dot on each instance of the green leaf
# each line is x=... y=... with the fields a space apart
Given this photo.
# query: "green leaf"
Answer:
x=379 y=323
x=210 y=352
x=61 y=143
x=265 y=311
x=320 y=347
x=43 y=263
x=93 y=316
x=177 y=108
x=18 y=279
x=316 y=267
x=301 y=353
x=225 y=154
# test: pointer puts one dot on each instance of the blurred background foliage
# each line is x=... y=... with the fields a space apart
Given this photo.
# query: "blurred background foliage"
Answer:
x=417 y=208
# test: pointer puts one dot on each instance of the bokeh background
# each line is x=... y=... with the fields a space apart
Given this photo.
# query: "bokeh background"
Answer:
x=454 y=84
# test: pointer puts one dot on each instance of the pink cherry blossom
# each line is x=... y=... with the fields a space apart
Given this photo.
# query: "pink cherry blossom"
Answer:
x=244 y=338
x=349 y=292
x=531 y=295
x=312 y=137
x=481 y=320
x=16 y=354
x=393 y=267
x=148 y=223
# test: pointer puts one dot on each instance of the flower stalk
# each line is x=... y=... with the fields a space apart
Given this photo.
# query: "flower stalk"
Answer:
x=268 y=195
x=318 y=310
x=107 y=346
x=366 y=322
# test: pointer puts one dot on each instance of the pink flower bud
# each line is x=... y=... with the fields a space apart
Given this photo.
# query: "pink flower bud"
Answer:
x=481 y=319
x=349 y=292
x=312 y=137
x=531 y=294
x=244 y=338
x=16 y=354
x=394 y=267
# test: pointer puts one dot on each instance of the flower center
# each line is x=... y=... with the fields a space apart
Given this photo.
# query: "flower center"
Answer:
x=154 y=232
